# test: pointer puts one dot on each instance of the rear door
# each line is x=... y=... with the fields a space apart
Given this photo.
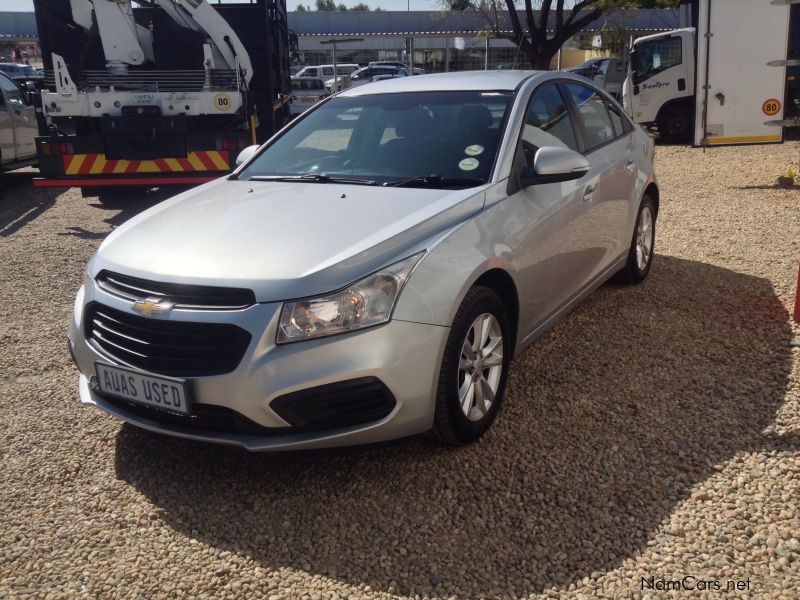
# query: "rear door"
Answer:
x=8 y=149
x=742 y=90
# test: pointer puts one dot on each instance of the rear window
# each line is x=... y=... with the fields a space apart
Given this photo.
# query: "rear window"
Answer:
x=307 y=84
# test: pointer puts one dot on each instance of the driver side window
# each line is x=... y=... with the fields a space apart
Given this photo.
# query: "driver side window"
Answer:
x=547 y=123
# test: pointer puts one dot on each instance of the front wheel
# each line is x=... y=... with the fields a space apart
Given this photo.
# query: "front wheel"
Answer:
x=474 y=369
x=675 y=125
x=640 y=252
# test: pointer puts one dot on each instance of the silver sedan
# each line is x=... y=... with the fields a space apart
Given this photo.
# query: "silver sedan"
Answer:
x=371 y=270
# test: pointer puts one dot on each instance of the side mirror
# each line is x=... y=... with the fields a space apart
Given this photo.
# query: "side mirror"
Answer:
x=552 y=164
x=245 y=154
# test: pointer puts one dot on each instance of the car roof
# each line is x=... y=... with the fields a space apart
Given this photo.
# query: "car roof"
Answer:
x=460 y=80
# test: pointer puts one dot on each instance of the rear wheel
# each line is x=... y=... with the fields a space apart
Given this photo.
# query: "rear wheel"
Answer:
x=474 y=369
x=675 y=124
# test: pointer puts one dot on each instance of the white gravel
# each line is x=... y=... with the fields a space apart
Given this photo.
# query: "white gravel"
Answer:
x=655 y=433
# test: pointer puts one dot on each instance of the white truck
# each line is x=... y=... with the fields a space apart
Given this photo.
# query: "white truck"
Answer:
x=717 y=83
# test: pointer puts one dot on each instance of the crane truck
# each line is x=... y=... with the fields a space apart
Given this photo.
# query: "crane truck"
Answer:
x=157 y=92
x=719 y=82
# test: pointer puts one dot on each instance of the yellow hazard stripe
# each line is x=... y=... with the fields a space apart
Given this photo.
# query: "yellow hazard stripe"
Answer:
x=98 y=164
x=173 y=164
x=75 y=164
x=744 y=140
x=196 y=162
x=217 y=159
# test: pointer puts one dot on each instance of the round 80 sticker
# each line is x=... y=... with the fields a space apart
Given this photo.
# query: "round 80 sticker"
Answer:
x=223 y=102
x=771 y=107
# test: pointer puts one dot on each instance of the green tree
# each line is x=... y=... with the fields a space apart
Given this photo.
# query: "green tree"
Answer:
x=301 y=8
x=529 y=24
x=341 y=8
x=325 y=5
x=360 y=7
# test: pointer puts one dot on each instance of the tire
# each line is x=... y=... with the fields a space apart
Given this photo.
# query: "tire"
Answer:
x=636 y=270
x=451 y=424
x=675 y=124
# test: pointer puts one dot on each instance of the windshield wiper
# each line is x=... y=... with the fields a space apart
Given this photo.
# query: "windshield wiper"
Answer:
x=314 y=178
x=436 y=181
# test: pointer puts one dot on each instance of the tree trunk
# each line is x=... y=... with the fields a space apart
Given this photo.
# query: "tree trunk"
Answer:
x=539 y=61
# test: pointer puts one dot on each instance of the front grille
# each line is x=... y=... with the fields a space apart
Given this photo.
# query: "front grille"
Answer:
x=187 y=297
x=175 y=348
x=336 y=405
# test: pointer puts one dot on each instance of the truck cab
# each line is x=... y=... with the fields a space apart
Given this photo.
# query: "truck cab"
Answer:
x=661 y=83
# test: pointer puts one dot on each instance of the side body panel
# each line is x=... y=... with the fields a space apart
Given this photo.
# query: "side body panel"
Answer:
x=743 y=91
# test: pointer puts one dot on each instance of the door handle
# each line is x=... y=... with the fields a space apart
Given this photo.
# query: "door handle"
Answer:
x=588 y=193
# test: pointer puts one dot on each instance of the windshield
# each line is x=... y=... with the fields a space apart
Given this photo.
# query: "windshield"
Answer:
x=654 y=56
x=431 y=138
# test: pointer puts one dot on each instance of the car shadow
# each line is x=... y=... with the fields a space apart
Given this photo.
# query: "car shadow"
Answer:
x=21 y=203
x=610 y=420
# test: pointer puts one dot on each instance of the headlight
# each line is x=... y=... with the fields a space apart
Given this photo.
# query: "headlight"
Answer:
x=363 y=304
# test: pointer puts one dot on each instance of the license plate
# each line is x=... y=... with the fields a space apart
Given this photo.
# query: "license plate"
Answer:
x=158 y=392
x=309 y=99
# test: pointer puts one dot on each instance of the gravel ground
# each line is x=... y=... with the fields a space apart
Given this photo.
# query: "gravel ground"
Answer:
x=655 y=433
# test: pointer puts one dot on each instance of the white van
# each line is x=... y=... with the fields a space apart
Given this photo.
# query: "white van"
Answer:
x=326 y=71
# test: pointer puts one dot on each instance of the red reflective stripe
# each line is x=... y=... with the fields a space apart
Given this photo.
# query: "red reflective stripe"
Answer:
x=206 y=160
x=67 y=159
x=162 y=165
x=103 y=181
x=184 y=162
x=132 y=166
x=110 y=166
x=87 y=164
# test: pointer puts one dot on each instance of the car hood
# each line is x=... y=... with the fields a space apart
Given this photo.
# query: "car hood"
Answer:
x=281 y=239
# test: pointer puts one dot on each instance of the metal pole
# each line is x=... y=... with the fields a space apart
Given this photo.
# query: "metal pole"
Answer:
x=446 y=53
x=335 y=74
x=486 y=58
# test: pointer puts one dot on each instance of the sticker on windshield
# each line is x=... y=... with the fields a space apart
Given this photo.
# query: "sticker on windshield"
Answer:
x=468 y=164
x=473 y=150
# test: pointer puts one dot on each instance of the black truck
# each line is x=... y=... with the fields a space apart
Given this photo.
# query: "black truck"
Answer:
x=180 y=116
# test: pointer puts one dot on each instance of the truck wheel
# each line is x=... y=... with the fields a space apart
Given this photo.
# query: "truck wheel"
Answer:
x=675 y=124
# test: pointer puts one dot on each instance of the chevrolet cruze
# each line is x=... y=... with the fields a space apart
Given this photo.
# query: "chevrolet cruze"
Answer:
x=371 y=270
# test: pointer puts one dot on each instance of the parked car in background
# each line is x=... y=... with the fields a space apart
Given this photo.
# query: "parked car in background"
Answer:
x=306 y=92
x=398 y=64
x=21 y=71
x=326 y=71
x=368 y=74
x=588 y=69
x=370 y=272
x=18 y=127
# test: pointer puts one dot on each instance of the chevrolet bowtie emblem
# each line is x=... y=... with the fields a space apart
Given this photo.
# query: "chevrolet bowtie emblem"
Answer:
x=152 y=307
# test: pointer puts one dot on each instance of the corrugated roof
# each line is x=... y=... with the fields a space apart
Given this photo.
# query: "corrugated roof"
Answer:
x=18 y=25
x=470 y=22
x=399 y=23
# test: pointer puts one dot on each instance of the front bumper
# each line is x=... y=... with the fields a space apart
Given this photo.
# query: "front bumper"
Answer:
x=403 y=356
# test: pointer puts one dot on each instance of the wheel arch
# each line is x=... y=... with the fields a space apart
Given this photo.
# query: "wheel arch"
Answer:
x=501 y=283
x=651 y=189
x=686 y=101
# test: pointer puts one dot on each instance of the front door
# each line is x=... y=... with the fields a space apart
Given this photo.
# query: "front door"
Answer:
x=559 y=242
x=23 y=117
